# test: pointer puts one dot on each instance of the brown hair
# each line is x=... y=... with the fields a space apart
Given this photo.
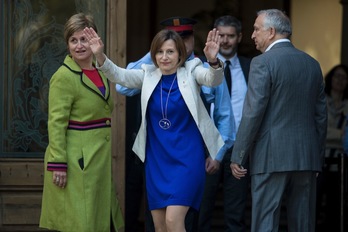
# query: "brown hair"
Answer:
x=330 y=75
x=163 y=36
x=77 y=22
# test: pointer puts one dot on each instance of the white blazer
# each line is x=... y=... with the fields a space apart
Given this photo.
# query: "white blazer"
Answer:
x=190 y=78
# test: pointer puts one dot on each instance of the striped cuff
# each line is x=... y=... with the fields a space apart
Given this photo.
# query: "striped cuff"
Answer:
x=57 y=166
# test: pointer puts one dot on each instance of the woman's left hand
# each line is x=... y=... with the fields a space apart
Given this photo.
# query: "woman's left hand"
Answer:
x=211 y=166
x=212 y=45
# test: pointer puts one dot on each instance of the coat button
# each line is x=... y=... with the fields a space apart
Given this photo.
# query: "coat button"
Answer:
x=241 y=155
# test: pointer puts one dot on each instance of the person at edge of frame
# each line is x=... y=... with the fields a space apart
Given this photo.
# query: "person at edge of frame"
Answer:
x=283 y=128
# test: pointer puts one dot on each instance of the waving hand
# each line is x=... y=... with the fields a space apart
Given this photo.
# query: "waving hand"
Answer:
x=212 y=45
x=96 y=44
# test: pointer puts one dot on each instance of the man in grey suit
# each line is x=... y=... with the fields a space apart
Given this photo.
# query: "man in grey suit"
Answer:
x=283 y=128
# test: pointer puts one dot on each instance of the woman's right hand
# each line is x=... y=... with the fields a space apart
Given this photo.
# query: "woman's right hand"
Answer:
x=212 y=45
x=60 y=178
x=96 y=44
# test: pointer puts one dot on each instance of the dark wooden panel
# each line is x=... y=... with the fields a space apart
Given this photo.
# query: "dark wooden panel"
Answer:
x=20 y=208
x=20 y=173
x=21 y=182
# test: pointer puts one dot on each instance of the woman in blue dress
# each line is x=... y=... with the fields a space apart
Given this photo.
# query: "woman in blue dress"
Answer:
x=175 y=126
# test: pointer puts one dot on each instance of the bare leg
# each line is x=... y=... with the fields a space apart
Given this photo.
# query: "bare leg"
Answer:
x=175 y=218
x=159 y=219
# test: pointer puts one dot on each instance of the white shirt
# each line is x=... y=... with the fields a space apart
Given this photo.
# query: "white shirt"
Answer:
x=275 y=42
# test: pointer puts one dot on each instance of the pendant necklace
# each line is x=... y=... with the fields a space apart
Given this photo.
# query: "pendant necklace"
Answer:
x=164 y=123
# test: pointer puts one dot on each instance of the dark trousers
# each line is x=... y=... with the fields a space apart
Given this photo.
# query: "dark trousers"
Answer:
x=235 y=194
x=298 y=188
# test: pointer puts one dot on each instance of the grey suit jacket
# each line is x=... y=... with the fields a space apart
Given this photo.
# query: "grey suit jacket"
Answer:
x=283 y=126
x=190 y=78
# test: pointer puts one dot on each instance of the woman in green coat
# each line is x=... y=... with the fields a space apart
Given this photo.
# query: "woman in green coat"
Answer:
x=78 y=191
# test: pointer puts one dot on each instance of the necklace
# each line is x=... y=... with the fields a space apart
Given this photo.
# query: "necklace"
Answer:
x=165 y=123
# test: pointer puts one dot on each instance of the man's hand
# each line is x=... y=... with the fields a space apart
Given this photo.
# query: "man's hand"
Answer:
x=238 y=171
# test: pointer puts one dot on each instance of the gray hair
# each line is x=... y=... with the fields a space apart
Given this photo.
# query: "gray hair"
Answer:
x=229 y=21
x=278 y=20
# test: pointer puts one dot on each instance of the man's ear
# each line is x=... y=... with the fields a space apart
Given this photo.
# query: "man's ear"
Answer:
x=272 y=32
x=240 y=36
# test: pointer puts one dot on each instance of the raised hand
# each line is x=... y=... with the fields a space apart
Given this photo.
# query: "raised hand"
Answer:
x=212 y=45
x=96 y=44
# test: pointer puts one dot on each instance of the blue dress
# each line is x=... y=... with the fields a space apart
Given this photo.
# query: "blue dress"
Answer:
x=175 y=158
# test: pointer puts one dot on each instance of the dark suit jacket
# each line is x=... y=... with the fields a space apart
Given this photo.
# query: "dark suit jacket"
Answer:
x=283 y=126
x=245 y=65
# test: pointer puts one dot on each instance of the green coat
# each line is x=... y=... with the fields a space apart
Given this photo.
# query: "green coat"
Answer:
x=88 y=202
